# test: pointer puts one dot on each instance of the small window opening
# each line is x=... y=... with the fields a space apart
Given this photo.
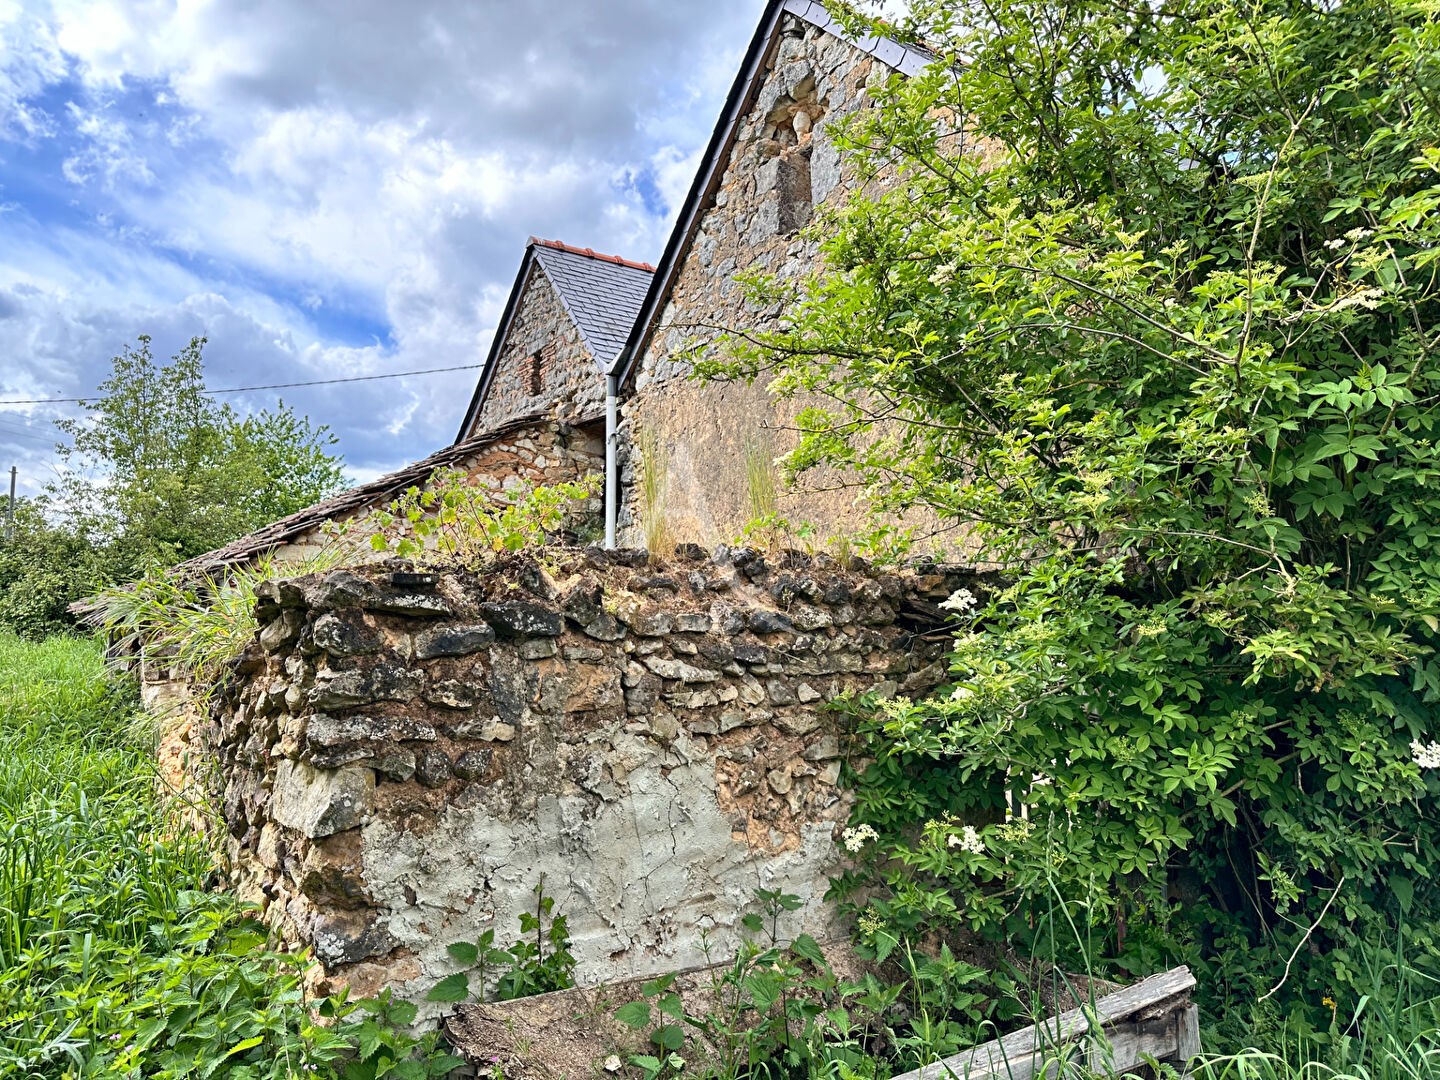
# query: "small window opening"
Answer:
x=537 y=374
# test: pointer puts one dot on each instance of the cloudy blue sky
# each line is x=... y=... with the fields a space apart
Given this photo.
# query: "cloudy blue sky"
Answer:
x=325 y=188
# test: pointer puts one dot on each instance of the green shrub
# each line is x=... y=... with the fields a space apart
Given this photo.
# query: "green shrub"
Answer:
x=526 y=968
x=1155 y=328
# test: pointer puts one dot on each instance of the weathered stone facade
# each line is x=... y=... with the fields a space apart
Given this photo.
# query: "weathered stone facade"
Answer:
x=782 y=167
x=400 y=765
x=543 y=365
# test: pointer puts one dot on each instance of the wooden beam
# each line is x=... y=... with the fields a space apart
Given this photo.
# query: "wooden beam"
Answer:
x=1150 y=1021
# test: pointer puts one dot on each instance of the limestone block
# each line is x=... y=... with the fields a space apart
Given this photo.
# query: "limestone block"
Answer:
x=324 y=730
x=347 y=937
x=453 y=641
x=340 y=589
x=332 y=872
x=678 y=669
x=604 y=627
x=455 y=694
x=394 y=763
x=521 y=619
x=762 y=621
x=382 y=682
x=473 y=764
x=282 y=631
x=416 y=605
x=433 y=769
x=346 y=636
x=780 y=692
x=492 y=730
x=320 y=803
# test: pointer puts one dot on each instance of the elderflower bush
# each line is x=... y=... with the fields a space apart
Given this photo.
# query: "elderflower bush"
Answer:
x=1167 y=352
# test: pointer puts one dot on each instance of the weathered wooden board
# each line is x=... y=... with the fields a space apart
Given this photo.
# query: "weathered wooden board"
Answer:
x=1150 y=1021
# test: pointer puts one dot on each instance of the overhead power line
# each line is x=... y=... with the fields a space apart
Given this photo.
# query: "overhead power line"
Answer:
x=270 y=386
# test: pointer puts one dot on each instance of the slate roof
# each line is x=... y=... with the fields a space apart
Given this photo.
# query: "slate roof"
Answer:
x=602 y=293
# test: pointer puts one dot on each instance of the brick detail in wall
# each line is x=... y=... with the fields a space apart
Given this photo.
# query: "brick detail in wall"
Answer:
x=544 y=366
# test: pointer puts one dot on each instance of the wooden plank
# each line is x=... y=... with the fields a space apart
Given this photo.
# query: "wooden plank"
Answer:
x=1147 y=1020
x=1189 y=1047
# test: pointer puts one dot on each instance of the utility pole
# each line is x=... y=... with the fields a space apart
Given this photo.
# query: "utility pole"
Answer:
x=10 y=518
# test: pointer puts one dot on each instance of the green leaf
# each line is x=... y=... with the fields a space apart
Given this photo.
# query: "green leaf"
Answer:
x=669 y=1037
x=464 y=952
x=245 y=1044
x=805 y=946
x=634 y=1014
x=450 y=989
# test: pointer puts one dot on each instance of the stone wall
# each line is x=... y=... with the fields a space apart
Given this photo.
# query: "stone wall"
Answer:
x=547 y=452
x=783 y=166
x=400 y=763
x=544 y=365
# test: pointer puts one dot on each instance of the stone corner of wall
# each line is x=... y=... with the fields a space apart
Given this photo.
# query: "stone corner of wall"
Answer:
x=405 y=752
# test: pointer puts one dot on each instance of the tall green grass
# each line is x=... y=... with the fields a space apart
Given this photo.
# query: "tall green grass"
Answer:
x=115 y=957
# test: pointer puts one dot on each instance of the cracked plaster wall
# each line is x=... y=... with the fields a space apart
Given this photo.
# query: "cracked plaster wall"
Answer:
x=398 y=769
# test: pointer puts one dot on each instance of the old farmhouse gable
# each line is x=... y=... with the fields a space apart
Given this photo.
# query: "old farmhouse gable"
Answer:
x=567 y=318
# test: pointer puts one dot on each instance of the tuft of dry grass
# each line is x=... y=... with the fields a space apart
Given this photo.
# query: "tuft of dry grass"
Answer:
x=654 y=492
x=760 y=485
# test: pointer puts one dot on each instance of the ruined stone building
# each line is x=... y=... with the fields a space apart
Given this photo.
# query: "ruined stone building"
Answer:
x=400 y=763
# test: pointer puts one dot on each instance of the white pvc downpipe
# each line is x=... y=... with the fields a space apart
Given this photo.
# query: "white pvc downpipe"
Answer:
x=612 y=459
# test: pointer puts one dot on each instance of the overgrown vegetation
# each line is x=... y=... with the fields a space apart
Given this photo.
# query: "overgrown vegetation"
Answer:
x=779 y=1009
x=116 y=956
x=654 y=492
x=1157 y=324
x=195 y=623
x=456 y=519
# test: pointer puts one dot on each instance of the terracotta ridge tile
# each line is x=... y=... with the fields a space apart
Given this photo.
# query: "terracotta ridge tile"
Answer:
x=590 y=253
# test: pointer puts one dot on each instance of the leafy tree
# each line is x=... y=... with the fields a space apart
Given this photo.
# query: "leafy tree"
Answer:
x=45 y=567
x=166 y=470
x=158 y=472
x=1149 y=304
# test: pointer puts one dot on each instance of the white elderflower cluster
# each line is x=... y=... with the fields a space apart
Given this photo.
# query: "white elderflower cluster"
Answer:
x=967 y=839
x=857 y=837
x=961 y=601
x=1427 y=757
x=962 y=693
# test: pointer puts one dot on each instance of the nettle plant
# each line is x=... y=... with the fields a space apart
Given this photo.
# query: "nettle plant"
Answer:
x=538 y=962
x=1159 y=325
x=455 y=519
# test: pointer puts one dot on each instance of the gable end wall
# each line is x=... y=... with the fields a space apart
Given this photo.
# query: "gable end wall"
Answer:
x=571 y=389
x=782 y=167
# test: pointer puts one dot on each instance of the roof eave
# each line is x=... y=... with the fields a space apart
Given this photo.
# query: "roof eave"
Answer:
x=741 y=94
x=502 y=331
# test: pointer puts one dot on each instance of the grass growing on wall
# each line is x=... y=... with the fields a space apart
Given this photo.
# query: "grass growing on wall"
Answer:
x=654 y=492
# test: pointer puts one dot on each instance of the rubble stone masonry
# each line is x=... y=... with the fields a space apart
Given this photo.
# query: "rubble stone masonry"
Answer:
x=544 y=365
x=400 y=760
x=784 y=166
